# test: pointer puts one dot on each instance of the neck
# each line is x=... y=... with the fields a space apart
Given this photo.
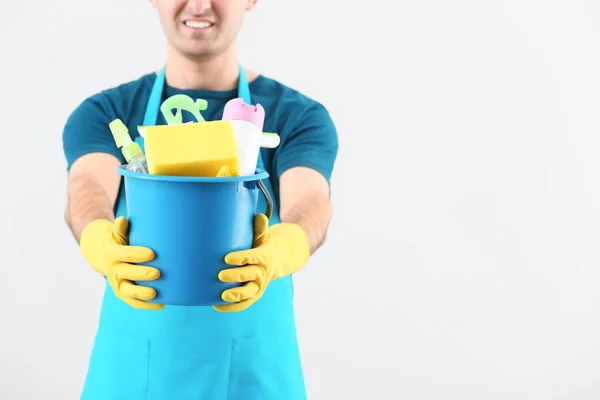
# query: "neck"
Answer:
x=219 y=73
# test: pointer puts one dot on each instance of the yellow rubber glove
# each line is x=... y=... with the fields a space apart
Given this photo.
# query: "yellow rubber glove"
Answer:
x=105 y=246
x=279 y=250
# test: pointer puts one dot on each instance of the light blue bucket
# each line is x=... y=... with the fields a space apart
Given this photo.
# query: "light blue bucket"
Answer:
x=191 y=223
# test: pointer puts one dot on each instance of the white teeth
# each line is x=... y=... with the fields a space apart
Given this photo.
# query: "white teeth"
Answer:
x=197 y=24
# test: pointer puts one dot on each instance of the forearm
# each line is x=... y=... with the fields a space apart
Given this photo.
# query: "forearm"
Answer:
x=87 y=201
x=313 y=214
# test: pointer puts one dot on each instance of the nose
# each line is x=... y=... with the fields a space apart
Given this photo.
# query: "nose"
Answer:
x=199 y=6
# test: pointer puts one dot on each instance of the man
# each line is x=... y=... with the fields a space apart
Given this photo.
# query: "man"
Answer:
x=246 y=349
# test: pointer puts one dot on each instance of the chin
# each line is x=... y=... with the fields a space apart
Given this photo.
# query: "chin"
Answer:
x=197 y=54
x=195 y=51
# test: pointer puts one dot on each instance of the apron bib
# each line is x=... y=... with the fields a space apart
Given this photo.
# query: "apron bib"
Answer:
x=181 y=353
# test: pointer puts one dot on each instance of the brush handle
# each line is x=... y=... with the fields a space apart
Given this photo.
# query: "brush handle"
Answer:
x=269 y=140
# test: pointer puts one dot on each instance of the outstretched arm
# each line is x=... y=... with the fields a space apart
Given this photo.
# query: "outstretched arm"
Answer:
x=304 y=200
x=92 y=161
x=303 y=165
x=92 y=191
x=284 y=248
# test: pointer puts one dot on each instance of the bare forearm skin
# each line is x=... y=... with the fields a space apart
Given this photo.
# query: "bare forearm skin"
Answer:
x=313 y=214
x=87 y=201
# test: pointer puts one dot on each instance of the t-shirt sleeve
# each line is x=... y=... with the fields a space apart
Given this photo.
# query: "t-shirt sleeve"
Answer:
x=86 y=131
x=313 y=143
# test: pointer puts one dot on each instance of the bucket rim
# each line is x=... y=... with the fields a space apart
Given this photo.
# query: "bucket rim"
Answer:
x=260 y=174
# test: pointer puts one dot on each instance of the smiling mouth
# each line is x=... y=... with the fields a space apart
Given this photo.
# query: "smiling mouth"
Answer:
x=198 y=24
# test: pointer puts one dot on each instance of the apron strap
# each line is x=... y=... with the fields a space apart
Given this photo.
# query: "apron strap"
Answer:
x=243 y=87
x=155 y=99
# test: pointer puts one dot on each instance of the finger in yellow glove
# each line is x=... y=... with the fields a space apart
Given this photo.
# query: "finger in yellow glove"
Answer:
x=277 y=251
x=105 y=246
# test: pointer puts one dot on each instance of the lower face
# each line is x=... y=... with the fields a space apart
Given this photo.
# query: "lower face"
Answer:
x=199 y=38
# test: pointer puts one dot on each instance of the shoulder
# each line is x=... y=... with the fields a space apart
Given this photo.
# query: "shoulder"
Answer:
x=307 y=132
x=86 y=129
x=118 y=101
x=286 y=106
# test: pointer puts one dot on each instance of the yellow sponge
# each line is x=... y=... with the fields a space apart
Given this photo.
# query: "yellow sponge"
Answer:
x=205 y=149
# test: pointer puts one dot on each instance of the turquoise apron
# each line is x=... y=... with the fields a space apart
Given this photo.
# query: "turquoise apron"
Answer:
x=181 y=353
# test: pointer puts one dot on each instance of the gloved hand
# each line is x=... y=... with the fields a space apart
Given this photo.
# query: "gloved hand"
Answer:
x=279 y=250
x=105 y=247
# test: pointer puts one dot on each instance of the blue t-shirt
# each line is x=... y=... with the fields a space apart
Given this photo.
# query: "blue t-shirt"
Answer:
x=308 y=135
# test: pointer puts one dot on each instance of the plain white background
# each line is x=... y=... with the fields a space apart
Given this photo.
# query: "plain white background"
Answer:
x=463 y=259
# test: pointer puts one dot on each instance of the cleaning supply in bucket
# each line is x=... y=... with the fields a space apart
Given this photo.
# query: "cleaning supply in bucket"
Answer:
x=269 y=140
x=136 y=160
x=238 y=110
x=247 y=121
x=182 y=102
x=251 y=115
x=198 y=149
x=179 y=102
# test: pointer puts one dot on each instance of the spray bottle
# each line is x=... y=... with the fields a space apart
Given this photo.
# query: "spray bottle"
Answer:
x=247 y=121
x=136 y=160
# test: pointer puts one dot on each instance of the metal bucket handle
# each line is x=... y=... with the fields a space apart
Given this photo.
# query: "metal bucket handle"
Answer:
x=268 y=198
